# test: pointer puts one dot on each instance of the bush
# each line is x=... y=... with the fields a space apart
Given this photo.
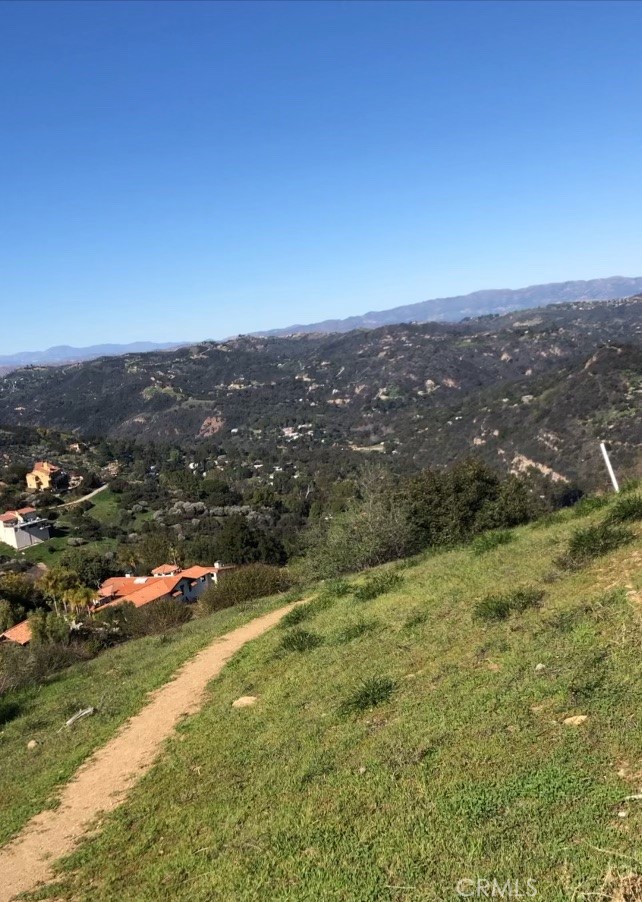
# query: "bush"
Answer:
x=160 y=617
x=626 y=509
x=499 y=607
x=487 y=541
x=372 y=692
x=377 y=584
x=300 y=640
x=591 y=542
x=244 y=584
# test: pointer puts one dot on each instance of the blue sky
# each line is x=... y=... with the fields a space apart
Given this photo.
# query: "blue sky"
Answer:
x=194 y=170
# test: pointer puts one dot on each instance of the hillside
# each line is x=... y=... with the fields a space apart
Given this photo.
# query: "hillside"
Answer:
x=543 y=386
x=477 y=303
x=410 y=746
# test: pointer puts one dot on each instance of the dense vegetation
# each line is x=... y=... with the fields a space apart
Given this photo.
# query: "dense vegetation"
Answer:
x=541 y=386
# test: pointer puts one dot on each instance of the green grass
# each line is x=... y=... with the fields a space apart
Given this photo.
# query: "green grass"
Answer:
x=116 y=683
x=454 y=761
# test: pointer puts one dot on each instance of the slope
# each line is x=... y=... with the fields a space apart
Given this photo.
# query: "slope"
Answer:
x=408 y=747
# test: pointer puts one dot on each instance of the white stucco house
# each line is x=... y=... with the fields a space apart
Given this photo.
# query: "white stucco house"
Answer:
x=23 y=528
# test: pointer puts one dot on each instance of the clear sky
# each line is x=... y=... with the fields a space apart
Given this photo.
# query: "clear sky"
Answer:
x=193 y=170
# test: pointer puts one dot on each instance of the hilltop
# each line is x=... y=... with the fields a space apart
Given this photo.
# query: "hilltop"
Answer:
x=533 y=388
x=409 y=732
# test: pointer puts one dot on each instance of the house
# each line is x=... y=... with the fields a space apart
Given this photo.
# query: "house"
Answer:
x=20 y=633
x=166 y=581
x=46 y=476
x=23 y=528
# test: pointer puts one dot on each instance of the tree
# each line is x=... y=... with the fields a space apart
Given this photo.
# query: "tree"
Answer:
x=56 y=583
x=374 y=528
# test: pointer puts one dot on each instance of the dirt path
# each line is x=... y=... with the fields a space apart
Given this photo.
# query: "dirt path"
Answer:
x=103 y=781
x=84 y=497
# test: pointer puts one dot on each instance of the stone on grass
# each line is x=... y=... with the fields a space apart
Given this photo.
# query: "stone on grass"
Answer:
x=32 y=744
x=245 y=701
x=539 y=668
x=575 y=720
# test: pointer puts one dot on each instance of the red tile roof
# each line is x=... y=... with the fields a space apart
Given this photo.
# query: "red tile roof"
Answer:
x=196 y=572
x=8 y=516
x=165 y=569
x=20 y=633
x=151 y=590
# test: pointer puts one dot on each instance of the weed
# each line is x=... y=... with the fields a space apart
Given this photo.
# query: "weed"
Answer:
x=487 y=541
x=378 y=584
x=416 y=618
x=355 y=630
x=499 y=607
x=336 y=588
x=300 y=640
x=295 y=616
x=591 y=542
x=588 y=504
x=372 y=692
x=626 y=509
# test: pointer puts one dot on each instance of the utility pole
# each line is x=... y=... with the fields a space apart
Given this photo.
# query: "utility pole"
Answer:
x=607 y=461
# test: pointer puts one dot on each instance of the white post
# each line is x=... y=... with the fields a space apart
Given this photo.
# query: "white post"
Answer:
x=605 y=455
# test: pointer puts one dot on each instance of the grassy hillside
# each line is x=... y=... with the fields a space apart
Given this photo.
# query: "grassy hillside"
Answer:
x=409 y=746
x=116 y=683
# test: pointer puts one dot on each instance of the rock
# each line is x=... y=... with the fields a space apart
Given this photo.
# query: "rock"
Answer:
x=362 y=770
x=32 y=744
x=245 y=701
x=76 y=541
x=575 y=720
x=539 y=668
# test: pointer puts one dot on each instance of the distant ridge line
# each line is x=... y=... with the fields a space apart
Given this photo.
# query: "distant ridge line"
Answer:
x=475 y=304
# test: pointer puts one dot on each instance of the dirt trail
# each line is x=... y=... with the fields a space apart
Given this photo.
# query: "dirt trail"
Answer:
x=84 y=497
x=102 y=782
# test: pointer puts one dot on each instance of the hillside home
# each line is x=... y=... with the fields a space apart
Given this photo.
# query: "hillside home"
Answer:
x=45 y=476
x=23 y=528
x=166 y=581
x=20 y=633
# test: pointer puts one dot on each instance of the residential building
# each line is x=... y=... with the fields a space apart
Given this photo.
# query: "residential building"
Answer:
x=46 y=476
x=23 y=528
x=166 y=581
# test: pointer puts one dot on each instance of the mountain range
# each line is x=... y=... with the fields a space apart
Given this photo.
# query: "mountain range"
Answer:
x=66 y=354
x=534 y=388
x=450 y=309
x=479 y=303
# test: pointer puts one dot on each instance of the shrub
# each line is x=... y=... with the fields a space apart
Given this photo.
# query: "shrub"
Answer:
x=487 y=541
x=377 y=584
x=244 y=584
x=160 y=616
x=499 y=607
x=372 y=692
x=591 y=542
x=626 y=509
x=300 y=640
